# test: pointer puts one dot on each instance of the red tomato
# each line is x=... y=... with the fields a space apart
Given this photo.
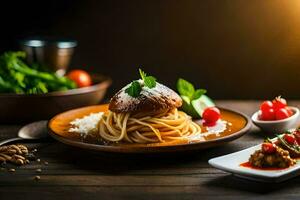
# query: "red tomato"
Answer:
x=278 y=103
x=211 y=115
x=80 y=77
x=266 y=105
x=267 y=115
x=268 y=148
x=289 y=138
x=296 y=134
x=282 y=113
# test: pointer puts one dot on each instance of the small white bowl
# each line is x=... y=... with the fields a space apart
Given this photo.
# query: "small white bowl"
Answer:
x=277 y=126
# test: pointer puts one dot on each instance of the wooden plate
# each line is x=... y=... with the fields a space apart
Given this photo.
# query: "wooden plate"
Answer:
x=59 y=125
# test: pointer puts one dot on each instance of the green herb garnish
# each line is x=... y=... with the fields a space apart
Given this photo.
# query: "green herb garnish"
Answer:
x=149 y=81
x=186 y=88
x=135 y=87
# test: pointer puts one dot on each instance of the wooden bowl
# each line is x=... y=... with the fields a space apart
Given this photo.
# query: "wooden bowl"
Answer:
x=21 y=108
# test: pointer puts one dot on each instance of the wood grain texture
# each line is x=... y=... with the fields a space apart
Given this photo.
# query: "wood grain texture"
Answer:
x=77 y=174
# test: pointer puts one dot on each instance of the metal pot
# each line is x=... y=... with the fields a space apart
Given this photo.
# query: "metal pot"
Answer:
x=54 y=54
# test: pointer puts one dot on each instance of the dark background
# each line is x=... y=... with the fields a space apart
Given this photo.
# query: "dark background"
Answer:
x=236 y=49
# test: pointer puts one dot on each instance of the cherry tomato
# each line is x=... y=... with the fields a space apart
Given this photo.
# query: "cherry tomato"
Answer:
x=296 y=134
x=282 y=113
x=80 y=77
x=267 y=115
x=278 y=103
x=289 y=138
x=268 y=148
x=211 y=115
x=266 y=105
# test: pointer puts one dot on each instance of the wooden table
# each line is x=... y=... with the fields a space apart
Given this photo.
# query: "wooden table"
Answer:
x=75 y=174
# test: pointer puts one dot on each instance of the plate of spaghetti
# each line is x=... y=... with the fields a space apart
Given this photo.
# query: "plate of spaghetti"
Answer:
x=146 y=117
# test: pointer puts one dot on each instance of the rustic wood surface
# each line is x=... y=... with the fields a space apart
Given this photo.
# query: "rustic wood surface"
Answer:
x=76 y=174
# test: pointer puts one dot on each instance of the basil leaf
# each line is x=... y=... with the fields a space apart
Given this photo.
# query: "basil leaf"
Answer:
x=198 y=93
x=185 y=88
x=134 y=89
x=150 y=81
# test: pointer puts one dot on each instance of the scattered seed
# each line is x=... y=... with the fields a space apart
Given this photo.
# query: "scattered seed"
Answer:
x=16 y=154
x=38 y=160
x=14 y=149
x=11 y=151
x=23 y=149
x=38 y=170
x=7 y=157
x=11 y=170
x=46 y=163
x=37 y=178
x=19 y=157
x=19 y=162
x=3 y=148
x=34 y=150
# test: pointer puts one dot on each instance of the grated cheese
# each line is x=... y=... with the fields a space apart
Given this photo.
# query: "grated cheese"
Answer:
x=87 y=124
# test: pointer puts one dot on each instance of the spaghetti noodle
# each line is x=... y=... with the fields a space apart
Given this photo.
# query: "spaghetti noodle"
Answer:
x=164 y=127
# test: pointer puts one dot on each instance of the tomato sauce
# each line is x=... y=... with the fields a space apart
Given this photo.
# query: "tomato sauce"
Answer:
x=248 y=165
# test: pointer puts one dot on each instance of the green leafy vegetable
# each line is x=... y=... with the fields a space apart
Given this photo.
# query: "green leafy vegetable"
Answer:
x=198 y=93
x=194 y=100
x=18 y=77
x=149 y=81
x=186 y=88
x=134 y=89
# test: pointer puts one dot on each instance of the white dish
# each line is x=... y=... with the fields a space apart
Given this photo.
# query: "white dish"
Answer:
x=277 y=126
x=231 y=163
